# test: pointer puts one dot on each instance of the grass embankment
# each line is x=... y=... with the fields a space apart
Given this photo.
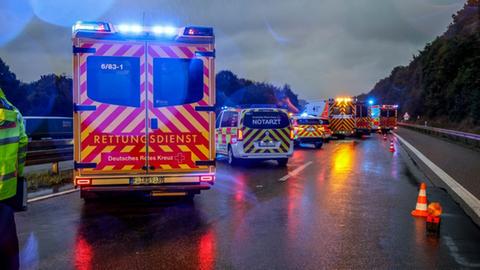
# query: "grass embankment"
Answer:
x=48 y=180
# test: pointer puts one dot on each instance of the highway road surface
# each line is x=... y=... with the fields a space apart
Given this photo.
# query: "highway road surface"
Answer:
x=346 y=206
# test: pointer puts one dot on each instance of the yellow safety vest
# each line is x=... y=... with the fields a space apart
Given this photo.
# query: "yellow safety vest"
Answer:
x=13 y=144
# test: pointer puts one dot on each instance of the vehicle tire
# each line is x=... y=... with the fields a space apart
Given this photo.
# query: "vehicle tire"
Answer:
x=19 y=201
x=282 y=162
x=318 y=145
x=232 y=160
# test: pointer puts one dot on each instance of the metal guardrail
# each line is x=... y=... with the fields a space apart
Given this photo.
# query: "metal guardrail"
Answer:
x=49 y=151
x=459 y=136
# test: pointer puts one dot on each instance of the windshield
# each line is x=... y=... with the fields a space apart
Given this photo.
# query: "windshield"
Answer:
x=265 y=120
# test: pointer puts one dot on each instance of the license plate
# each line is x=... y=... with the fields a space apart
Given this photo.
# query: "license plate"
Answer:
x=310 y=129
x=147 y=180
x=267 y=144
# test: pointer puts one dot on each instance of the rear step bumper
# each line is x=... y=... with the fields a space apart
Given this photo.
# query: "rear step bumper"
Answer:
x=161 y=188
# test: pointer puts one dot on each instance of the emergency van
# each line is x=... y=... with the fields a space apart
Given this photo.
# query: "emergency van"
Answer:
x=342 y=116
x=308 y=130
x=144 y=118
x=254 y=134
x=362 y=119
x=388 y=118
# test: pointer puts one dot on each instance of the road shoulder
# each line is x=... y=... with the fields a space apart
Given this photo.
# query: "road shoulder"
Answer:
x=439 y=177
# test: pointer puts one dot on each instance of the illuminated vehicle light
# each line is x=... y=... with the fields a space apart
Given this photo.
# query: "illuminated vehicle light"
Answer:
x=91 y=26
x=292 y=134
x=198 y=31
x=207 y=178
x=164 y=30
x=304 y=114
x=83 y=181
x=136 y=28
x=125 y=28
x=239 y=135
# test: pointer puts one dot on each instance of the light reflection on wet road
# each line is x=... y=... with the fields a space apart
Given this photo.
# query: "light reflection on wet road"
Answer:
x=350 y=208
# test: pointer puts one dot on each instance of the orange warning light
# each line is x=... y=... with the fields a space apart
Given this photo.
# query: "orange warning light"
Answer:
x=434 y=209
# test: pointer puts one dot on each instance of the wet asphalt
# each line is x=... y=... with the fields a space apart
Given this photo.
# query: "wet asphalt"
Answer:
x=349 y=208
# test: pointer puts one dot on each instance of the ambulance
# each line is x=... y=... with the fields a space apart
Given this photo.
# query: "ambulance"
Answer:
x=342 y=116
x=261 y=133
x=308 y=130
x=144 y=116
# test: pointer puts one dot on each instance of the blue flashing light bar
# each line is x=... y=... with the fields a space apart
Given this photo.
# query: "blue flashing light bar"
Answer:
x=91 y=26
x=164 y=30
x=370 y=101
x=304 y=114
x=130 y=28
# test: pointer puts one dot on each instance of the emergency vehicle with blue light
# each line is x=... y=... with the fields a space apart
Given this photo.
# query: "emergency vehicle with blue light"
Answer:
x=342 y=116
x=388 y=118
x=261 y=133
x=308 y=130
x=144 y=116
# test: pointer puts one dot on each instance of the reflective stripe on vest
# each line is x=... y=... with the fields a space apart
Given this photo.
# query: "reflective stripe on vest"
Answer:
x=8 y=176
x=9 y=140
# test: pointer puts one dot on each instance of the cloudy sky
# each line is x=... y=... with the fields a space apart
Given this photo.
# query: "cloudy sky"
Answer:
x=322 y=48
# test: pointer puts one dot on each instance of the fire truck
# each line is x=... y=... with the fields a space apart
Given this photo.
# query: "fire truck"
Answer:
x=388 y=118
x=362 y=118
x=342 y=116
x=143 y=109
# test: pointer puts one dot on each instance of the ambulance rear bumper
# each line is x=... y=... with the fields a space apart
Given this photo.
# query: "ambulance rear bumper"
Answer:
x=160 y=188
x=238 y=152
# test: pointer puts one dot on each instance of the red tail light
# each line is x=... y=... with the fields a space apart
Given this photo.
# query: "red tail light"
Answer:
x=207 y=178
x=83 y=181
x=239 y=135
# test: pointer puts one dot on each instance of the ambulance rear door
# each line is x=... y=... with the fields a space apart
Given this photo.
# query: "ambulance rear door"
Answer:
x=110 y=106
x=180 y=107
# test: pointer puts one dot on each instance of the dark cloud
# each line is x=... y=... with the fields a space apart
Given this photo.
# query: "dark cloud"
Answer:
x=320 y=47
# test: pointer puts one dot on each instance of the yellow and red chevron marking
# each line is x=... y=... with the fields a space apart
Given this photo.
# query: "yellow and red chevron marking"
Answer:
x=227 y=135
x=251 y=136
x=303 y=131
x=342 y=124
x=363 y=122
x=180 y=120
x=108 y=121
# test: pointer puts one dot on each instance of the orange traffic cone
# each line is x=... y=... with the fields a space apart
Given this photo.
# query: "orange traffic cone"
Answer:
x=392 y=148
x=421 y=207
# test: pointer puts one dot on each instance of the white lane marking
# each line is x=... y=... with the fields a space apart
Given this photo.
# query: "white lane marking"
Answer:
x=52 y=195
x=472 y=202
x=295 y=172
x=456 y=255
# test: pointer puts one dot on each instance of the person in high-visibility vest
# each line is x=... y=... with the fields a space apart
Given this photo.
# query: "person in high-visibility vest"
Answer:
x=13 y=144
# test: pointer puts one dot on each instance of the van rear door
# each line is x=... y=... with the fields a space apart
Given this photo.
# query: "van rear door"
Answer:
x=181 y=129
x=266 y=131
x=110 y=106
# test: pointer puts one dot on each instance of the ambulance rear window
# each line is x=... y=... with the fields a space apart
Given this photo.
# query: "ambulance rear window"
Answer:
x=177 y=81
x=114 y=80
x=265 y=120
x=309 y=121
